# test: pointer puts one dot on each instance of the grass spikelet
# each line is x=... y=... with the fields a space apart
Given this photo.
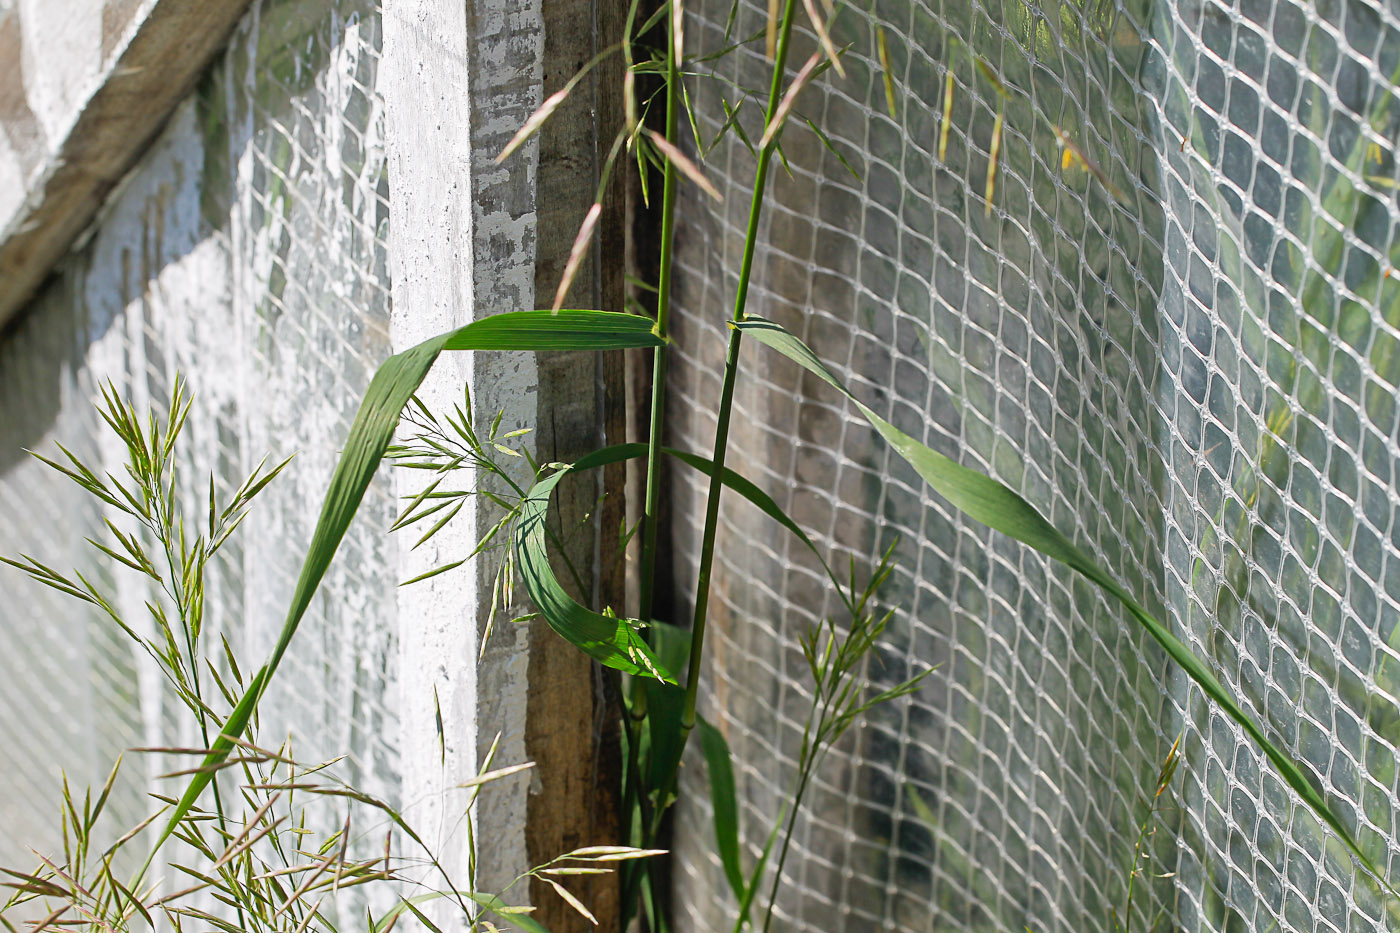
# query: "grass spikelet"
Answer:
x=678 y=30
x=947 y=116
x=824 y=37
x=682 y=162
x=537 y=119
x=552 y=103
x=572 y=901
x=780 y=115
x=576 y=254
x=882 y=46
x=1074 y=154
x=994 y=153
x=990 y=75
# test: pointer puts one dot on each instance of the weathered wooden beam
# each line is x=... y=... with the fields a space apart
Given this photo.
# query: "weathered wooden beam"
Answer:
x=572 y=727
x=134 y=89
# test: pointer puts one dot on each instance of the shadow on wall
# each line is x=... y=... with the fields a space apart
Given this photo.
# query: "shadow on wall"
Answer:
x=185 y=194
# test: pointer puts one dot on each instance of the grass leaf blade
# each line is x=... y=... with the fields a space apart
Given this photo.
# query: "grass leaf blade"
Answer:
x=724 y=802
x=609 y=640
x=996 y=505
x=392 y=387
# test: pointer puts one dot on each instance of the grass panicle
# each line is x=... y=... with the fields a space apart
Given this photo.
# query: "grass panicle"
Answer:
x=266 y=860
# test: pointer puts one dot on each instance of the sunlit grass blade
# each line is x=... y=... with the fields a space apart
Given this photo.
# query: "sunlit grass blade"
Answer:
x=996 y=505
x=428 y=575
x=831 y=147
x=492 y=903
x=731 y=122
x=518 y=917
x=389 y=391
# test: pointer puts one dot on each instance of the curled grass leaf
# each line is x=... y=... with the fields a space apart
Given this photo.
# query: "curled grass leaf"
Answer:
x=614 y=642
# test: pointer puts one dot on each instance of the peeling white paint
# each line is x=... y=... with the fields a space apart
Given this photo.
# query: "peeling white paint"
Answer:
x=62 y=60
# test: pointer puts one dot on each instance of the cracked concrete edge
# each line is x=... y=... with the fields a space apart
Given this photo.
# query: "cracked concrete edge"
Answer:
x=74 y=126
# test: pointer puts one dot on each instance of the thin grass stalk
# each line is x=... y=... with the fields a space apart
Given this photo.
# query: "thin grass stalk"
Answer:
x=726 y=402
x=647 y=584
x=795 y=805
x=183 y=604
x=652 y=826
x=633 y=874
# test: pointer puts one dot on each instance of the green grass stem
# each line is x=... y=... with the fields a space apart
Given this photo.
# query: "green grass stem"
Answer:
x=633 y=875
x=666 y=786
x=647 y=583
x=731 y=371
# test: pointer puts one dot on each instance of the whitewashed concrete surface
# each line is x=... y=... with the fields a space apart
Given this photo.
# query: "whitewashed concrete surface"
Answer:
x=458 y=256
x=248 y=252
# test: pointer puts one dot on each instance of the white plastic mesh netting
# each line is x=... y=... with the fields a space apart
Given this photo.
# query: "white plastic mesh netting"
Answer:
x=1189 y=365
x=246 y=252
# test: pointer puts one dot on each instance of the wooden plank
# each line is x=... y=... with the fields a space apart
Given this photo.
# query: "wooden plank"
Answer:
x=158 y=68
x=573 y=717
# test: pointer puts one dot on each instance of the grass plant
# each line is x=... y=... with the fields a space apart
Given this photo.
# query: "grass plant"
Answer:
x=1154 y=805
x=665 y=663
x=268 y=857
